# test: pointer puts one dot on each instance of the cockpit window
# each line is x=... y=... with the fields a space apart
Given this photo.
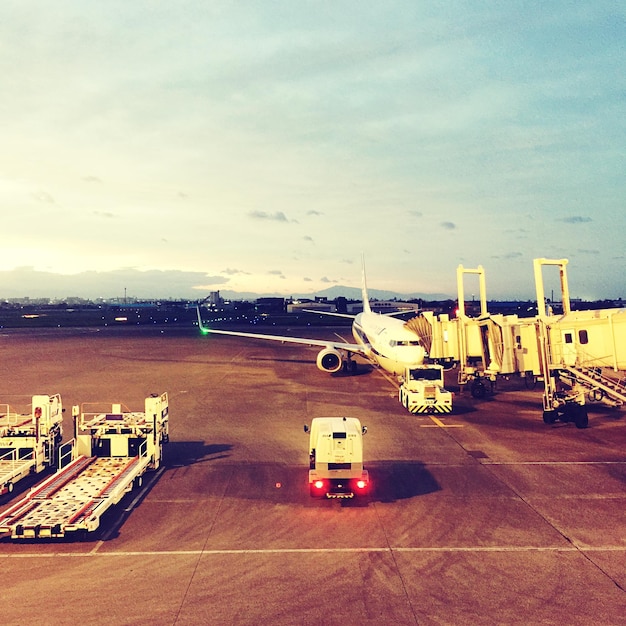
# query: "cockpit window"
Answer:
x=393 y=343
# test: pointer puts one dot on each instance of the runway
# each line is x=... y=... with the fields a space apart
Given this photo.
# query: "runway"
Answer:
x=484 y=516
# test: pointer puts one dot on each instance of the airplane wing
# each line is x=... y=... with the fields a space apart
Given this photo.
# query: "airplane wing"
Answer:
x=329 y=313
x=337 y=345
x=349 y=316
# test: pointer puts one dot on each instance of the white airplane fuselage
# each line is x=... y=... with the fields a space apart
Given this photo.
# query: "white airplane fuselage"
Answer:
x=387 y=342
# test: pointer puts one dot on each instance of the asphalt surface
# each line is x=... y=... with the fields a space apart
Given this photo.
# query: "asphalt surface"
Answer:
x=487 y=516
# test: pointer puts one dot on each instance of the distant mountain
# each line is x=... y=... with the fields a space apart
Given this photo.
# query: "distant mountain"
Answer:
x=351 y=293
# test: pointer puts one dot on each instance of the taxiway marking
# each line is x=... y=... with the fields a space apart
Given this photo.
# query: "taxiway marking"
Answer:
x=439 y=424
x=262 y=551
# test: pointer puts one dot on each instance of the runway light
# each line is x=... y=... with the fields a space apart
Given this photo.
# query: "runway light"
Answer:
x=278 y=485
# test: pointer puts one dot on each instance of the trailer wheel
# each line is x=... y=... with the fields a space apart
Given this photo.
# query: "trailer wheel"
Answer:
x=9 y=487
x=581 y=418
x=549 y=417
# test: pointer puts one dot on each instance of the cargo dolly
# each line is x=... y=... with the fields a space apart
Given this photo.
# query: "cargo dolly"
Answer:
x=109 y=455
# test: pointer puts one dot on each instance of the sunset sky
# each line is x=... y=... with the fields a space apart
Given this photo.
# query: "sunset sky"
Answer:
x=177 y=148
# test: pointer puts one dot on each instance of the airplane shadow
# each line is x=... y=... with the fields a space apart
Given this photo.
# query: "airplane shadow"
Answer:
x=363 y=368
x=273 y=360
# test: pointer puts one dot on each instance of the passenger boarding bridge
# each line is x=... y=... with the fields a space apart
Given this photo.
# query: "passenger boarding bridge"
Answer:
x=579 y=355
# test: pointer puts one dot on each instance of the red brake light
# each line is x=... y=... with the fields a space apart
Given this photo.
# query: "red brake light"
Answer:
x=319 y=484
x=361 y=484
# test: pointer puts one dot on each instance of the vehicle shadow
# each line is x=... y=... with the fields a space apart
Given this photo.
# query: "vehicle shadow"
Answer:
x=278 y=483
x=400 y=480
x=183 y=453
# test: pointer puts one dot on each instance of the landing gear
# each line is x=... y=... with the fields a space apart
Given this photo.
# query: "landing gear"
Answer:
x=350 y=366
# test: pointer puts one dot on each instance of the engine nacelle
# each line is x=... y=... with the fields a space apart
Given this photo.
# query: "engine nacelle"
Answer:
x=329 y=360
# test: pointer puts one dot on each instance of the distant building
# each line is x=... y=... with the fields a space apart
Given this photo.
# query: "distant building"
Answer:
x=266 y=306
x=383 y=306
x=214 y=299
x=298 y=306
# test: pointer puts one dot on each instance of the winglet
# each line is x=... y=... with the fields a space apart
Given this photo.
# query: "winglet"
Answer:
x=201 y=326
x=366 y=300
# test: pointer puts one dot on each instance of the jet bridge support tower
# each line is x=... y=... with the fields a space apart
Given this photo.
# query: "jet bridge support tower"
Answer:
x=563 y=396
x=469 y=336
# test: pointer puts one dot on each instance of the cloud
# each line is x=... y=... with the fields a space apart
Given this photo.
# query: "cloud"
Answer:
x=416 y=214
x=314 y=212
x=306 y=279
x=26 y=281
x=509 y=256
x=105 y=214
x=233 y=272
x=517 y=233
x=583 y=251
x=576 y=219
x=91 y=179
x=448 y=225
x=279 y=216
x=43 y=196
x=308 y=238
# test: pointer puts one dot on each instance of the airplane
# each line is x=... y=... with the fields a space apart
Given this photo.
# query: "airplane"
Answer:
x=382 y=340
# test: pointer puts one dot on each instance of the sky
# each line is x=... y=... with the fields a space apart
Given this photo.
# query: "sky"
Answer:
x=171 y=149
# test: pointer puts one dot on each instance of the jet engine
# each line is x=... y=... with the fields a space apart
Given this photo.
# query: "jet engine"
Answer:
x=329 y=360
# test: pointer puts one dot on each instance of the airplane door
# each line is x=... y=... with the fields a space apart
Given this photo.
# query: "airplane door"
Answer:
x=569 y=347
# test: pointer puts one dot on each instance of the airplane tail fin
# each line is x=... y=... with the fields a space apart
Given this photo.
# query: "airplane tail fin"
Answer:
x=366 y=300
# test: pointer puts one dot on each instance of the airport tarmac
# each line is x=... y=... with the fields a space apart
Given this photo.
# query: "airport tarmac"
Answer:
x=486 y=516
